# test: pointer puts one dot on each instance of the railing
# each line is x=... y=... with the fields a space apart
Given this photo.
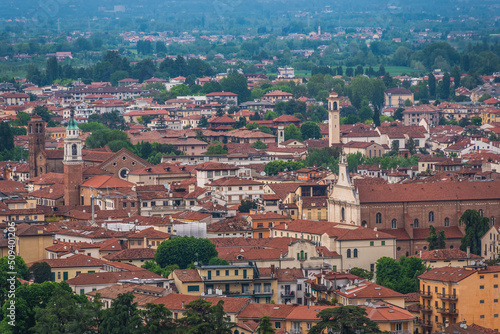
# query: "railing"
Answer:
x=263 y=292
x=424 y=323
x=319 y=287
x=447 y=296
x=403 y=331
x=289 y=294
x=307 y=295
x=424 y=308
x=426 y=294
x=448 y=311
x=295 y=331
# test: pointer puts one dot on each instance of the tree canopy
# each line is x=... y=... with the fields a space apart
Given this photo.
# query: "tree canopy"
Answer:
x=402 y=275
x=344 y=320
x=475 y=227
x=185 y=250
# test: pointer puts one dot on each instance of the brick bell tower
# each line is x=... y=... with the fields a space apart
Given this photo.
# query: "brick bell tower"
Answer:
x=73 y=163
x=36 y=145
x=333 y=119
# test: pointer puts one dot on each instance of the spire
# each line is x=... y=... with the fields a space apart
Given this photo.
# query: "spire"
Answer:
x=72 y=125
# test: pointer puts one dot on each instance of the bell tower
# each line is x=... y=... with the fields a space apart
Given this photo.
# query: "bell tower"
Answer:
x=333 y=119
x=343 y=201
x=73 y=163
x=36 y=145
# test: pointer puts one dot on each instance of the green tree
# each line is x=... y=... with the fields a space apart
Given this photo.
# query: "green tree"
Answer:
x=22 y=118
x=41 y=272
x=52 y=70
x=246 y=205
x=203 y=122
x=16 y=265
x=123 y=317
x=270 y=115
x=65 y=312
x=344 y=320
x=432 y=85
x=265 y=326
x=201 y=317
x=476 y=121
x=184 y=251
x=43 y=112
x=6 y=137
x=292 y=132
x=259 y=145
x=475 y=227
x=394 y=148
x=157 y=320
x=277 y=166
x=217 y=261
x=436 y=240
x=310 y=130
x=363 y=273
x=402 y=275
x=216 y=148
x=484 y=97
x=411 y=146
x=444 y=87
x=236 y=83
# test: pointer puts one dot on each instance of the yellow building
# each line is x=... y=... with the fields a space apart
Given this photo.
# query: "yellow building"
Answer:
x=490 y=115
x=389 y=318
x=396 y=97
x=245 y=281
x=147 y=238
x=70 y=267
x=30 y=243
x=450 y=295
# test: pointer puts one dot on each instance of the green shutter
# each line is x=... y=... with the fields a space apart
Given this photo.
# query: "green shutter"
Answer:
x=65 y=276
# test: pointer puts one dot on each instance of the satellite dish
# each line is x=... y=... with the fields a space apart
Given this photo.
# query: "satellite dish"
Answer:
x=262 y=173
x=195 y=263
x=472 y=263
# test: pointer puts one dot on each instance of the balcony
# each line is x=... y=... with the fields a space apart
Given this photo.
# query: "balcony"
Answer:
x=423 y=308
x=445 y=296
x=426 y=294
x=318 y=287
x=447 y=311
x=424 y=323
x=263 y=292
x=403 y=331
x=288 y=294
x=247 y=293
x=295 y=331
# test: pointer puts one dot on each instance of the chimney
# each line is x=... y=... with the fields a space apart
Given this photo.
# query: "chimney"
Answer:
x=420 y=253
x=468 y=252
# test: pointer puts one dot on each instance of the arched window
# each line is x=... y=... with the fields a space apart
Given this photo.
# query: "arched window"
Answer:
x=492 y=220
x=431 y=217
x=302 y=255
x=355 y=252
x=343 y=214
x=73 y=149
x=378 y=218
x=394 y=223
x=363 y=223
x=348 y=253
x=415 y=223
x=446 y=222
x=481 y=212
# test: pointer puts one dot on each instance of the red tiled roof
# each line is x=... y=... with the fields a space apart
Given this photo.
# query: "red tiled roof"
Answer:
x=447 y=274
x=77 y=260
x=448 y=254
x=106 y=181
x=425 y=192
x=110 y=277
x=179 y=302
x=188 y=275
x=132 y=254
